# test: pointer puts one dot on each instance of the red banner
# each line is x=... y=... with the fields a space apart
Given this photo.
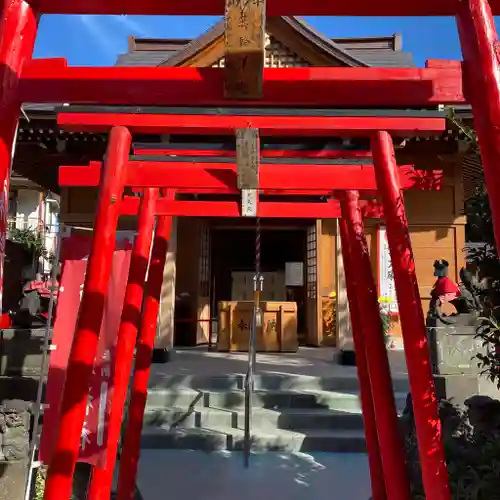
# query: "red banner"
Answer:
x=74 y=251
x=4 y=206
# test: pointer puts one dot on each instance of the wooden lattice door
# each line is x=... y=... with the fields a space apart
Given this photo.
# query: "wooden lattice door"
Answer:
x=204 y=309
x=312 y=284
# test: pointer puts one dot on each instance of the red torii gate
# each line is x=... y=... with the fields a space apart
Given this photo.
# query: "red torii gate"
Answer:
x=219 y=176
x=312 y=179
x=49 y=81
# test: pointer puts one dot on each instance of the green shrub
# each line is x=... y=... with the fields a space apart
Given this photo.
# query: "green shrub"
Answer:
x=472 y=456
x=40 y=483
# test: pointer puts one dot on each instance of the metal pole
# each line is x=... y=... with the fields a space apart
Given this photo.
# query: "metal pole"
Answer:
x=370 y=425
x=252 y=348
x=83 y=351
x=131 y=448
x=43 y=366
x=425 y=407
x=390 y=442
x=18 y=28
x=258 y=291
x=102 y=478
x=481 y=70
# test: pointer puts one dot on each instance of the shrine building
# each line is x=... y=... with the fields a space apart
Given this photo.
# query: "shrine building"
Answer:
x=211 y=260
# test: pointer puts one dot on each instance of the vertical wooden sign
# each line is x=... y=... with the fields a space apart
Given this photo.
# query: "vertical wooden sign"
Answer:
x=245 y=23
x=247 y=157
x=247 y=161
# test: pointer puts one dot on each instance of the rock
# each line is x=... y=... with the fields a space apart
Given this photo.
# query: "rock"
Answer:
x=15 y=420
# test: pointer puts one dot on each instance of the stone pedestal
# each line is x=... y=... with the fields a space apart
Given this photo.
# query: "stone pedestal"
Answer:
x=453 y=350
x=13 y=480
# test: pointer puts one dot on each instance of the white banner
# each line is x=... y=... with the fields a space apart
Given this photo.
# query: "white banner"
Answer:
x=387 y=287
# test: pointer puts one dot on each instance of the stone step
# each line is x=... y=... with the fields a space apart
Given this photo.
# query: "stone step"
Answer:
x=234 y=399
x=218 y=438
x=266 y=381
x=262 y=419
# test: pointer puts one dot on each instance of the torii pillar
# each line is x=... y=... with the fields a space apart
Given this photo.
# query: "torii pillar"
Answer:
x=481 y=69
x=18 y=27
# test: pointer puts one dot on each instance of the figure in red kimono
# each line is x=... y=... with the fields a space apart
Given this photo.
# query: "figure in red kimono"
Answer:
x=444 y=290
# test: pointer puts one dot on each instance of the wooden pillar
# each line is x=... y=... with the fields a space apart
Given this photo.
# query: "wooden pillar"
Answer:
x=319 y=282
x=344 y=326
x=327 y=284
x=245 y=23
x=166 y=324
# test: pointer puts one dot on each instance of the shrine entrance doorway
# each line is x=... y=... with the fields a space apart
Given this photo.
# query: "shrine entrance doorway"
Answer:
x=215 y=263
x=283 y=248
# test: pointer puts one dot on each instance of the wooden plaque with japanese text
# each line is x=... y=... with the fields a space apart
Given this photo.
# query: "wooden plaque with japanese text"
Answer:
x=247 y=158
x=244 y=48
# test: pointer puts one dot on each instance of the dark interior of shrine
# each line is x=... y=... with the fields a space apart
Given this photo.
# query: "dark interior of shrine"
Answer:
x=233 y=259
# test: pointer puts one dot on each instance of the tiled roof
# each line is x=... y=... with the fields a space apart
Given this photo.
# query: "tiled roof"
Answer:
x=367 y=51
x=379 y=58
x=384 y=58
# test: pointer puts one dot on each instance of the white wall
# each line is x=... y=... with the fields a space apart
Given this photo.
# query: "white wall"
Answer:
x=51 y=224
x=29 y=215
x=28 y=209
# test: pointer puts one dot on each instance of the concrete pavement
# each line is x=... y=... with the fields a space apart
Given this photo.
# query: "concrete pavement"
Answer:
x=195 y=475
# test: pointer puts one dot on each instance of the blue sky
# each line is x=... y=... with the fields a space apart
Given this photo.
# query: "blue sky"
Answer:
x=97 y=40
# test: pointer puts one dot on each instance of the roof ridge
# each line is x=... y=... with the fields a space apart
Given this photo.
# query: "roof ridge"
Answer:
x=298 y=24
x=196 y=44
x=322 y=41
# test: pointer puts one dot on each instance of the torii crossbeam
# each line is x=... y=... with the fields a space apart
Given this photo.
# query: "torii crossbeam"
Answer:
x=52 y=80
x=274 y=8
x=221 y=177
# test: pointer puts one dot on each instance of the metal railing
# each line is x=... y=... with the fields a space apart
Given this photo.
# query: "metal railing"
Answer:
x=23 y=223
x=47 y=347
x=34 y=223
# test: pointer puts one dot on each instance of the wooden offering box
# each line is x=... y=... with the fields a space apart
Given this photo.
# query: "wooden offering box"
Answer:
x=278 y=334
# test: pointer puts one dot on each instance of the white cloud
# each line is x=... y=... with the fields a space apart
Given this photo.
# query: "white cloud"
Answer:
x=101 y=33
x=129 y=25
